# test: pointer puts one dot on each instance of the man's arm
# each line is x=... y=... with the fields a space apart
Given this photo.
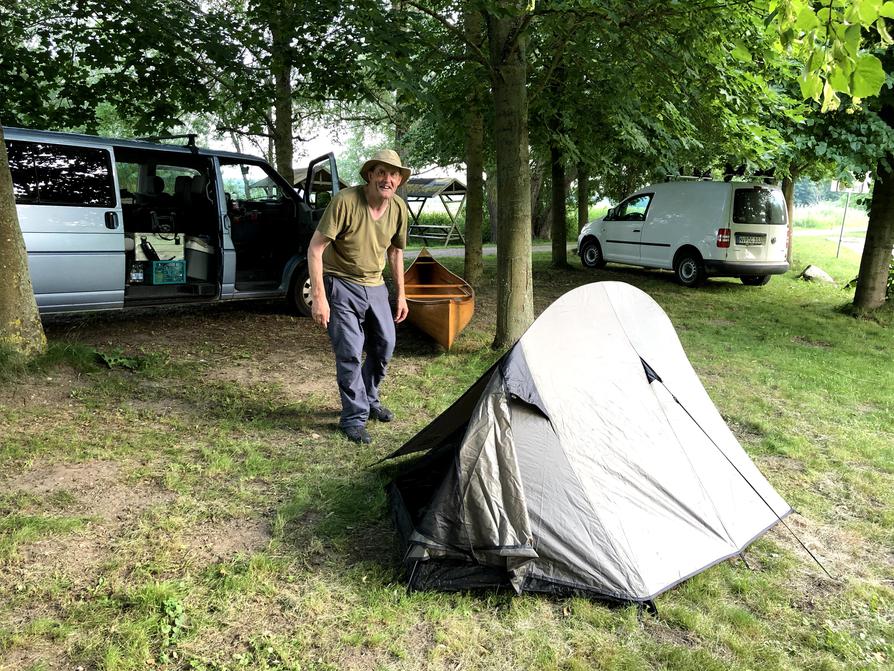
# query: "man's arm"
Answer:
x=319 y=308
x=396 y=259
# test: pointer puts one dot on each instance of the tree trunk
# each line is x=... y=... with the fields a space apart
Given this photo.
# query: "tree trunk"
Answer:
x=541 y=211
x=20 y=327
x=875 y=263
x=559 y=225
x=583 y=196
x=281 y=66
x=515 y=294
x=473 y=23
x=788 y=190
x=490 y=193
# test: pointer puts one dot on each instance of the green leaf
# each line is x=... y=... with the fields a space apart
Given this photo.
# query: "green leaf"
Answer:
x=740 y=52
x=868 y=10
x=887 y=10
x=831 y=101
x=851 y=42
x=868 y=76
x=807 y=20
x=811 y=85
x=840 y=79
x=883 y=32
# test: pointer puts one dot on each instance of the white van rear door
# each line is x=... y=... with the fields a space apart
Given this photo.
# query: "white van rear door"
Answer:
x=758 y=225
x=70 y=216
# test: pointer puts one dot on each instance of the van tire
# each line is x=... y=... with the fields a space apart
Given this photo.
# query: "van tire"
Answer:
x=755 y=280
x=591 y=254
x=689 y=268
x=299 y=293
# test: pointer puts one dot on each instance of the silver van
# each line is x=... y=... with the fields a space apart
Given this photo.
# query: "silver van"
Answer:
x=111 y=224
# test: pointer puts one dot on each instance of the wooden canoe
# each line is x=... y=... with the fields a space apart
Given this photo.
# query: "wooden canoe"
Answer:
x=441 y=303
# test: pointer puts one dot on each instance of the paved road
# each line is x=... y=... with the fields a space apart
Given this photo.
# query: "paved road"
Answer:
x=849 y=240
x=487 y=250
x=853 y=238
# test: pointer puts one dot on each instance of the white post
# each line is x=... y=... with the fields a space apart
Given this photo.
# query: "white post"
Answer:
x=847 y=202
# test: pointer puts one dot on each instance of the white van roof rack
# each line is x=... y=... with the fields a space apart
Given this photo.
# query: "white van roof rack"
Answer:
x=686 y=178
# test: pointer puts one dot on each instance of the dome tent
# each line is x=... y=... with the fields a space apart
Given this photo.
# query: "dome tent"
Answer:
x=588 y=460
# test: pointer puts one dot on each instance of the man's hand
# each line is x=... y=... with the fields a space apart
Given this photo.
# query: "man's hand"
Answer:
x=400 y=310
x=396 y=259
x=319 y=310
x=319 y=307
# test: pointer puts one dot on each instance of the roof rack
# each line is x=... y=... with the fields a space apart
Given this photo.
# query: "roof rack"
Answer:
x=686 y=178
x=766 y=179
x=190 y=139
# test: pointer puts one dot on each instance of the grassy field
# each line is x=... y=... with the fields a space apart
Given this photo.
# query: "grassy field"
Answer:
x=182 y=502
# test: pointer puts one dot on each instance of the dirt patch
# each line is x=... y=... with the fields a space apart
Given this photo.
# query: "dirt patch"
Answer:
x=97 y=488
x=843 y=553
x=217 y=542
x=94 y=491
x=809 y=342
x=50 y=391
x=299 y=378
x=50 y=658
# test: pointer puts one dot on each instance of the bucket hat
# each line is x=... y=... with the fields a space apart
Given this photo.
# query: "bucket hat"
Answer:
x=390 y=158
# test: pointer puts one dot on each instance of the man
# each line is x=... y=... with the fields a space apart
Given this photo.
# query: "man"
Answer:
x=349 y=297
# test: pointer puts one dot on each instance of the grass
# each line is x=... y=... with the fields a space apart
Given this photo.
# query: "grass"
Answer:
x=166 y=516
x=829 y=215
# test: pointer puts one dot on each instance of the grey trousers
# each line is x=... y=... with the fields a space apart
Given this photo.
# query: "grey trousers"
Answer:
x=359 y=320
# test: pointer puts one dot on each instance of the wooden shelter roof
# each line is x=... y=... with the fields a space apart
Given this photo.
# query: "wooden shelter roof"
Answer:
x=428 y=187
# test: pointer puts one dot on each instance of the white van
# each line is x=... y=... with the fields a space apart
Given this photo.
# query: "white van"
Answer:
x=695 y=228
x=111 y=224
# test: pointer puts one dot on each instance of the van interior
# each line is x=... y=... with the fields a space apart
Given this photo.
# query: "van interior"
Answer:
x=171 y=222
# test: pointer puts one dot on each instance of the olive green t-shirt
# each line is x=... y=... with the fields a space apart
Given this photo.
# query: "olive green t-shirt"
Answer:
x=359 y=242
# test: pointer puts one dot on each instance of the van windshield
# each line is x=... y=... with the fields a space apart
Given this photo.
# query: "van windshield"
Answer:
x=758 y=205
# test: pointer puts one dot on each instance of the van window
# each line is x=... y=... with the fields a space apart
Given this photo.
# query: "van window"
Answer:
x=247 y=182
x=24 y=179
x=633 y=209
x=52 y=174
x=758 y=205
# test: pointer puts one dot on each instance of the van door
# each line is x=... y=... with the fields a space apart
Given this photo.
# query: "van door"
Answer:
x=318 y=187
x=261 y=230
x=70 y=215
x=758 y=227
x=623 y=226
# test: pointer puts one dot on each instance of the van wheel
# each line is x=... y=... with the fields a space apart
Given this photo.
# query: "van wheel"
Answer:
x=299 y=294
x=689 y=269
x=755 y=280
x=591 y=255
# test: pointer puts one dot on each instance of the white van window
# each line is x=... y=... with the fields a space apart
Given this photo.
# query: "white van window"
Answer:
x=758 y=205
x=52 y=174
x=633 y=209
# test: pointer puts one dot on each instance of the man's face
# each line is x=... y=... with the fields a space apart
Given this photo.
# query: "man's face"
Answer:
x=385 y=180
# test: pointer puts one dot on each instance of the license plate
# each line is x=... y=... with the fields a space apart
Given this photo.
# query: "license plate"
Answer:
x=753 y=240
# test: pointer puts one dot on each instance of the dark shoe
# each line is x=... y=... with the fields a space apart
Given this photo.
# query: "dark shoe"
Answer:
x=381 y=413
x=356 y=434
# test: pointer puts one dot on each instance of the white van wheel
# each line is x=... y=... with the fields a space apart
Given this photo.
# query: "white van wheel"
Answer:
x=591 y=255
x=754 y=280
x=300 y=297
x=689 y=269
